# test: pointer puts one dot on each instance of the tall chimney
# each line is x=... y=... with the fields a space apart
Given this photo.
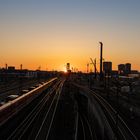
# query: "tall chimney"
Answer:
x=101 y=59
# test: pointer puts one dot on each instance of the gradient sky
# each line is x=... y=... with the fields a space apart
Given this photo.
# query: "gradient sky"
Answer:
x=50 y=33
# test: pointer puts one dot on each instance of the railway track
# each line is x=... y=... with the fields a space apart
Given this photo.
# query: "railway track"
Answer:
x=16 y=88
x=84 y=131
x=16 y=85
x=37 y=124
x=41 y=122
x=121 y=130
x=119 y=127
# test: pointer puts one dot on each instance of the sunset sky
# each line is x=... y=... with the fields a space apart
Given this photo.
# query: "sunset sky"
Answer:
x=50 y=33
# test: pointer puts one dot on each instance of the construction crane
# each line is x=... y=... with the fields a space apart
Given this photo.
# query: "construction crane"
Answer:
x=94 y=64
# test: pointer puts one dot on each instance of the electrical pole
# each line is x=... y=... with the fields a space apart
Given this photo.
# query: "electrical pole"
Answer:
x=101 y=59
x=21 y=66
x=94 y=64
x=87 y=67
x=95 y=68
x=6 y=66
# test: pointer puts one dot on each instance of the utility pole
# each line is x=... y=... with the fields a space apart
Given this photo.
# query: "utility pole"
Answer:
x=21 y=66
x=87 y=67
x=94 y=64
x=101 y=59
x=95 y=68
x=6 y=66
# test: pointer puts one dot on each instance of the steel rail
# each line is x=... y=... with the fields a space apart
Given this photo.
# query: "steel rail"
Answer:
x=111 y=117
x=83 y=128
x=53 y=96
x=86 y=127
x=123 y=129
x=32 y=115
x=89 y=126
x=3 y=92
x=54 y=102
x=59 y=92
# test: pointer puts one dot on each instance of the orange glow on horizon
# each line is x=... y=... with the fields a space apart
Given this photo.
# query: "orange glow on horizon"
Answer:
x=50 y=34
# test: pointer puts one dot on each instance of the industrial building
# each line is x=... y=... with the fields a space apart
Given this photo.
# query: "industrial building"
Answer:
x=107 y=67
x=121 y=68
x=127 y=68
x=124 y=69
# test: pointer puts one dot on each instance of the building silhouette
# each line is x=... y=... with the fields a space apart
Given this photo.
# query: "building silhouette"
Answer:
x=107 y=67
x=127 y=68
x=124 y=69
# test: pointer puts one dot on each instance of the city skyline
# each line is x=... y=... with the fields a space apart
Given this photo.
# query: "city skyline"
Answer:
x=51 y=33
